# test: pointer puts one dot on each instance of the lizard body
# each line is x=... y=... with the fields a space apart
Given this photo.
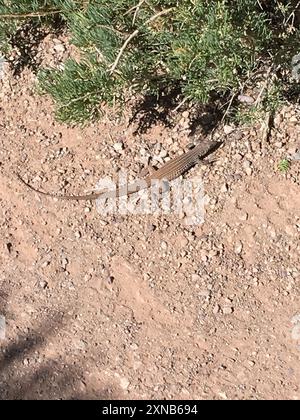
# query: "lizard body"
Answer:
x=168 y=172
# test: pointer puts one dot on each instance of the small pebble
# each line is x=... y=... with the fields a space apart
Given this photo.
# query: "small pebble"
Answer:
x=43 y=284
x=294 y=119
x=228 y=129
x=243 y=216
x=164 y=245
x=118 y=147
x=224 y=188
x=59 y=48
x=216 y=309
x=238 y=248
x=64 y=262
x=245 y=99
x=227 y=310
x=196 y=278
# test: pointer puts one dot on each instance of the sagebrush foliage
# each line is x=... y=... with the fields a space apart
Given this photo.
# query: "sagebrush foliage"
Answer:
x=199 y=46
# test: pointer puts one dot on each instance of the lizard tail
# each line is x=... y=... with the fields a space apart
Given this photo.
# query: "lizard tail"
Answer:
x=92 y=196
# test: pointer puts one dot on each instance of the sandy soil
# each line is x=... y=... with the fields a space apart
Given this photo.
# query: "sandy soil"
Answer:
x=144 y=306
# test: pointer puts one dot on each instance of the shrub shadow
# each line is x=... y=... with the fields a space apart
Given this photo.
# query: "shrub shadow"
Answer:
x=26 y=41
x=165 y=107
x=25 y=377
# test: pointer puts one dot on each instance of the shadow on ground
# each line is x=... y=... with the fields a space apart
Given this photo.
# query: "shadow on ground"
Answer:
x=163 y=108
x=26 y=41
x=27 y=374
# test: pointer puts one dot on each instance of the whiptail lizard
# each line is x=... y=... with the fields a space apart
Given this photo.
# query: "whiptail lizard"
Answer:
x=168 y=172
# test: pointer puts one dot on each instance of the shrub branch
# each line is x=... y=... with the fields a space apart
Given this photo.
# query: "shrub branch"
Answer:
x=131 y=36
x=26 y=15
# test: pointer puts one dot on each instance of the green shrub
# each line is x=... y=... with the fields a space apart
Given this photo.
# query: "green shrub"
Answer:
x=200 y=47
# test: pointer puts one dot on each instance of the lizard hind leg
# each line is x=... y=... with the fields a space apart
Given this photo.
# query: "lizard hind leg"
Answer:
x=146 y=171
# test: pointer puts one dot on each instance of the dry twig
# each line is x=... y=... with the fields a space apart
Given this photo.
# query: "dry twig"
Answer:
x=134 y=34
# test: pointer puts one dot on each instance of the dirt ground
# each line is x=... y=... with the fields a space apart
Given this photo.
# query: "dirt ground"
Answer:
x=145 y=306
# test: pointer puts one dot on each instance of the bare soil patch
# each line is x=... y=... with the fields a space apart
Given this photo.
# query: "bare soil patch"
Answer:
x=145 y=306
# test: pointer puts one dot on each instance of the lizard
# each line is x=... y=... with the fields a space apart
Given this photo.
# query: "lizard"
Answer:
x=168 y=172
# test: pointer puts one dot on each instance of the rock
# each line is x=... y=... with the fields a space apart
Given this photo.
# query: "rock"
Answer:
x=278 y=144
x=2 y=66
x=118 y=147
x=134 y=346
x=43 y=284
x=204 y=255
x=278 y=120
x=248 y=171
x=163 y=153
x=59 y=48
x=183 y=242
x=290 y=230
x=110 y=279
x=238 y=248
x=227 y=310
x=164 y=245
x=196 y=278
x=205 y=293
x=64 y=263
x=45 y=263
x=212 y=253
x=124 y=383
x=243 y=216
x=216 y=309
x=151 y=227
x=294 y=119
x=245 y=99
x=184 y=122
x=224 y=188
x=247 y=167
x=223 y=395
x=228 y=129
x=81 y=345
x=238 y=156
